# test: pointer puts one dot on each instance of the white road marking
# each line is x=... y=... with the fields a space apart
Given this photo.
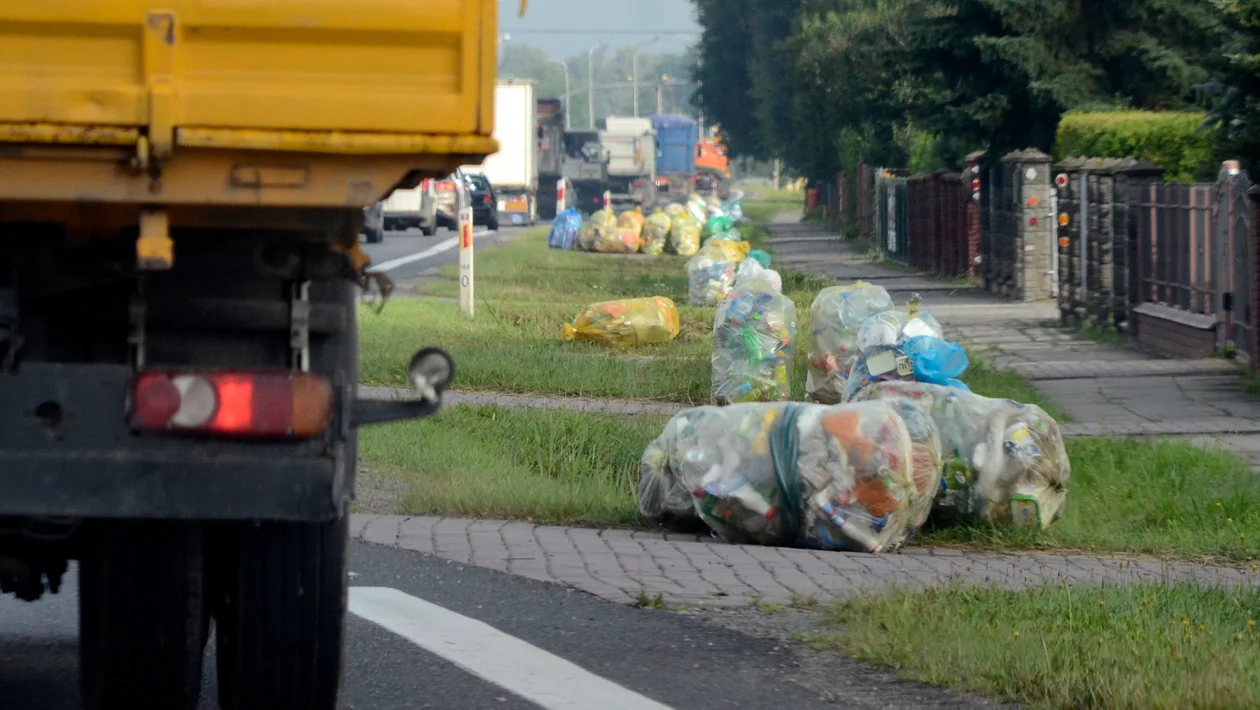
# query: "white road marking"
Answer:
x=524 y=670
x=421 y=255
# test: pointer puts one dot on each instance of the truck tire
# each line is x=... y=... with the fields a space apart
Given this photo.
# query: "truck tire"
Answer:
x=428 y=231
x=280 y=628
x=142 y=616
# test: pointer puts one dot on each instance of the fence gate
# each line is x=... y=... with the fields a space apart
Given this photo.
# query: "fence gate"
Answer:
x=1232 y=253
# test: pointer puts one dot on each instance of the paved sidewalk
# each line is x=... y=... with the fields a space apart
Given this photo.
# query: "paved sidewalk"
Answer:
x=631 y=567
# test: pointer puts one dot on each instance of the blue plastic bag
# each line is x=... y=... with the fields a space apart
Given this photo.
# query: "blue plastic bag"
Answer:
x=564 y=229
x=936 y=361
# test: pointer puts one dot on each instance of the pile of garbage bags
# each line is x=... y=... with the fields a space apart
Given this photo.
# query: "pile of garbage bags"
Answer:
x=753 y=334
x=711 y=272
x=841 y=477
x=564 y=229
x=626 y=323
x=1006 y=462
x=597 y=229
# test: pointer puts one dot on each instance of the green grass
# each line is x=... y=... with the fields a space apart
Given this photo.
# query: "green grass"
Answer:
x=553 y=467
x=1141 y=647
x=1143 y=496
x=526 y=293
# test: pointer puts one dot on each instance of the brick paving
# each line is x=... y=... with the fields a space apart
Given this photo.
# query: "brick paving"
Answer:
x=628 y=567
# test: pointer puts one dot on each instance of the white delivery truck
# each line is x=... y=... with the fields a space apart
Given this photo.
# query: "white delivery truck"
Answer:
x=513 y=171
x=631 y=146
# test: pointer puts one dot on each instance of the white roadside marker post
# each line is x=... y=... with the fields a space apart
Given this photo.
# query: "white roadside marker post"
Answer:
x=463 y=201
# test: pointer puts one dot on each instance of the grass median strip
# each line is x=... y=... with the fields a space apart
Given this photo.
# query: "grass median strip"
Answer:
x=489 y=462
x=1140 y=647
x=1145 y=497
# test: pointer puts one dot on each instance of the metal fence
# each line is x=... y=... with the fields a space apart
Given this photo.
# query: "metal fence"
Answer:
x=1194 y=250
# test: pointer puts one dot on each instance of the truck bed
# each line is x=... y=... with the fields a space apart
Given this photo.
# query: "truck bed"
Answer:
x=402 y=81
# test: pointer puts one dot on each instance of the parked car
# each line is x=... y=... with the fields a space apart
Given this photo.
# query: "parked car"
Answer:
x=485 y=203
x=374 y=223
x=444 y=197
x=415 y=207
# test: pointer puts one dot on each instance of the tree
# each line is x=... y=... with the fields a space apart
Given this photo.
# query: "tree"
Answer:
x=722 y=72
x=1236 y=87
x=1002 y=72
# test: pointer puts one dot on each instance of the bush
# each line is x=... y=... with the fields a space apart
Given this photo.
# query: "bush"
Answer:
x=1174 y=140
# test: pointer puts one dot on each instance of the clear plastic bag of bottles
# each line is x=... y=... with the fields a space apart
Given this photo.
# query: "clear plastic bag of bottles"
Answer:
x=836 y=315
x=839 y=477
x=1005 y=461
x=753 y=334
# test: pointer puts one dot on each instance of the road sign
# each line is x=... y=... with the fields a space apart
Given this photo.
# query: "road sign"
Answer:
x=464 y=202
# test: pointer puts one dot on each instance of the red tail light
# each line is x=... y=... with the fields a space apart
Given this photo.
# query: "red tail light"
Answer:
x=485 y=199
x=242 y=404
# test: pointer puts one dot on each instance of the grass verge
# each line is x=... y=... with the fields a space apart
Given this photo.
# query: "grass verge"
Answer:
x=1179 y=646
x=1156 y=498
x=489 y=462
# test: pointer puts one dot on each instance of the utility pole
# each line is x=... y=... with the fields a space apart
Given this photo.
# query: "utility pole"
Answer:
x=590 y=91
x=660 y=97
x=568 y=97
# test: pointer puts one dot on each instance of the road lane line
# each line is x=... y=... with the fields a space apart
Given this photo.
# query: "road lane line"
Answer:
x=418 y=256
x=524 y=670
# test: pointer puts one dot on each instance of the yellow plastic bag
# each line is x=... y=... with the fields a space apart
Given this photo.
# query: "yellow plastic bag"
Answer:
x=618 y=240
x=684 y=235
x=726 y=250
x=595 y=229
x=655 y=233
x=675 y=209
x=623 y=324
x=632 y=219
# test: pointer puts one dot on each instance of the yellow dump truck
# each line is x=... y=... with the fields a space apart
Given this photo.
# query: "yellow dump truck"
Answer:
x=182 y=188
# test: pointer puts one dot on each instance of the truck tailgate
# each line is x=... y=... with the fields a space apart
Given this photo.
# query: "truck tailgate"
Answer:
x=368 y=76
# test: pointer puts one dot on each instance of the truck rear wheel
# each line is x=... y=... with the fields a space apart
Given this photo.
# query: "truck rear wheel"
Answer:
x=142 y=616
x=280 y=623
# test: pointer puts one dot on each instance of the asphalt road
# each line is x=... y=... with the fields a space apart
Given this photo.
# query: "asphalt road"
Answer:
x=430 y=634
x=408 y=256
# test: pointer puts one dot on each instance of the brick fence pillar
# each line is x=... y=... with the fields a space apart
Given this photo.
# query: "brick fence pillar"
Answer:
x=1032 y=244
x=971 y=249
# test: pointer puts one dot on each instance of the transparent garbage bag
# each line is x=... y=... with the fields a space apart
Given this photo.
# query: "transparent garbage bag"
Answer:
x=751 y=270
x=711 y=272
x=684 y=235
x=838 y=477
x=565 y=229
x=753 y=333
x=1005 y=461
x=655 y=233
x=675 y=209
x=836 y=315
x=922 y=358
x=626 y=323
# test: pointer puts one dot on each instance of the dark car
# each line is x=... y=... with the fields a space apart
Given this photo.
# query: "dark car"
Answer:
x=485 y=203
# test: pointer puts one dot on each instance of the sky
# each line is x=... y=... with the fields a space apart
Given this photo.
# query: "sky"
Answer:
x=568 y=27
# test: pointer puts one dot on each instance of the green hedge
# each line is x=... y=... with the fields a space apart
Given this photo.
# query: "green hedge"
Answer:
x=1173 y=140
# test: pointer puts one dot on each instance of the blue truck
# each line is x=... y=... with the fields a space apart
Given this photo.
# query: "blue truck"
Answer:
x=676 y=138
